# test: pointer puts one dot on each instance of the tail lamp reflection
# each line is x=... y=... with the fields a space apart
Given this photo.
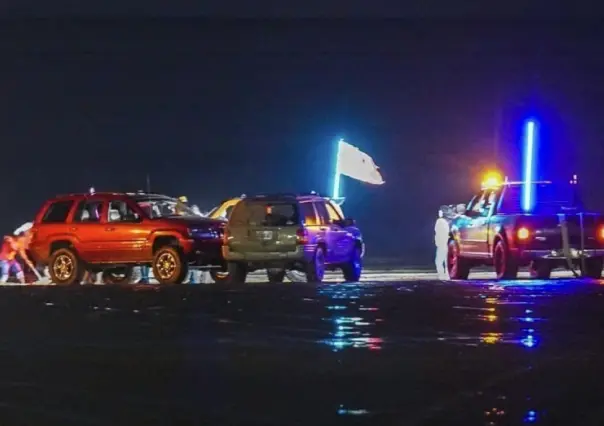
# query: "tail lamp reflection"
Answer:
x=523 y=234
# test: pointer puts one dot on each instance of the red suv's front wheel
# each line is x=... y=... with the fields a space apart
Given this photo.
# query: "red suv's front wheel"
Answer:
x=169 y=266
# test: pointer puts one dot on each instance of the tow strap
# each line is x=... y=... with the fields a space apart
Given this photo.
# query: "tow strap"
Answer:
x=566 y=243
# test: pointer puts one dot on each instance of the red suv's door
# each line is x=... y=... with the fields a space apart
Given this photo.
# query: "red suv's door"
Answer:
x=126 y=233
x=86 y=226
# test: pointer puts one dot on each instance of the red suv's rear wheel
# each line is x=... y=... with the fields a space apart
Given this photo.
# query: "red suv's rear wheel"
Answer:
x=65 y=267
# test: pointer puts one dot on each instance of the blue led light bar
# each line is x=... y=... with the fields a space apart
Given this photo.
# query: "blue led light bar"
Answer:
x=529 y=166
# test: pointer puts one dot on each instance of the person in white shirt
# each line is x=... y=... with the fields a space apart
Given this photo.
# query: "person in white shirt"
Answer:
x=441 y=240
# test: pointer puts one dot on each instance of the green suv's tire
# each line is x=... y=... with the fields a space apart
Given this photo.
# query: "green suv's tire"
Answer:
x=296 y=276
x=275 y=275
x=237 y=273
x=315 y=269
x=353 y=269
x=65 y=268
x=169 y=267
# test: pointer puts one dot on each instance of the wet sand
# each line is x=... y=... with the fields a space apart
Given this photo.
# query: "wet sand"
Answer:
x=396 y=353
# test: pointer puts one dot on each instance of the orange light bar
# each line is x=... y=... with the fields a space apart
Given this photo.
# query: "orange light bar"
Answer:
x=492 y=180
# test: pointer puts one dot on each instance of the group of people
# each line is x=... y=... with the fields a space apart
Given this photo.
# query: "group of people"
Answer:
x=14 y=247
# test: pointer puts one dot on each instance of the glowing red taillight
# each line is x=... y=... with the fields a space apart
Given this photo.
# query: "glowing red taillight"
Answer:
x=301 y=236
x=600 y=234
x=523 y=234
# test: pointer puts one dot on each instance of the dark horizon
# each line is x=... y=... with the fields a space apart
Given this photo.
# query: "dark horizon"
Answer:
x=215 y=108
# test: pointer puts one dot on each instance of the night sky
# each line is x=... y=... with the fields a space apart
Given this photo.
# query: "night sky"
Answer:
x=215 y=108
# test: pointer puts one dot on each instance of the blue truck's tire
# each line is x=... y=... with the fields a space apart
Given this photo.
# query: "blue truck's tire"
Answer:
x=506 y=266
x=459 y=268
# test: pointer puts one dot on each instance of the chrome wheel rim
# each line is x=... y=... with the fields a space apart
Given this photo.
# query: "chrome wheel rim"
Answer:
x=166 y=265
x=63 y=267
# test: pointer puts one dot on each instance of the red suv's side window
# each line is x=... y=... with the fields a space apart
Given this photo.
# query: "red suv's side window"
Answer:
x=57 y=212
x=89 y=211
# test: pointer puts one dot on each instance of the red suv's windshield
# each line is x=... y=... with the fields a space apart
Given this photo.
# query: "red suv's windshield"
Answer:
x=164 y=207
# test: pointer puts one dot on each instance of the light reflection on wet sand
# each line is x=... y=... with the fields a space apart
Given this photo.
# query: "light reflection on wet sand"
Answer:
x=415 y=352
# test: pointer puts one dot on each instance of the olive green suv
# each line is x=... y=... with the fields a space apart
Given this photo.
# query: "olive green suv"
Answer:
x=281 y=232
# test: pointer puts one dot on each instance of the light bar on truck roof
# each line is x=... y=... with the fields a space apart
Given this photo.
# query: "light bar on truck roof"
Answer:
x=528 y=199
x=492 y=179
x=522 y=182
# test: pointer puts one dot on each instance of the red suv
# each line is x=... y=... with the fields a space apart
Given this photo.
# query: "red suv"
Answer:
x=117 y=231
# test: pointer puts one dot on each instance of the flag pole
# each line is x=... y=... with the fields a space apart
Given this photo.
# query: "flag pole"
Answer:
x=336 y=178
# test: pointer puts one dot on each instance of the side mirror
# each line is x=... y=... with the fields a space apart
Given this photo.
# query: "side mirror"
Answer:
x=344 y=223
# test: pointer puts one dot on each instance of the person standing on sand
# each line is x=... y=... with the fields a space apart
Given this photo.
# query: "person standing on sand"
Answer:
x=441 y=240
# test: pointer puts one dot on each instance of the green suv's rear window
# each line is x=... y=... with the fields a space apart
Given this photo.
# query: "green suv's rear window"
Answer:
x=265 y=213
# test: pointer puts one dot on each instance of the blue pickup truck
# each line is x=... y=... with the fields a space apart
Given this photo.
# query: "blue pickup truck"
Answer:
x=494 y=229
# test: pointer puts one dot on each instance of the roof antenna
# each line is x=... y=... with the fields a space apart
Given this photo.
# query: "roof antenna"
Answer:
x=148 y=184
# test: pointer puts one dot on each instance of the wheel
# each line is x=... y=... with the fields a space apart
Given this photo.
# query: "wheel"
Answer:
x=66 y=268
x=352 y=270
x=121 y=275
x=237 y=272
x=169 y=266
x=315 y=269
x=459 y=268
x=219 y=276
x=275 y=275
x=296 y=276
x=506 y=266
x=593 y=267
x=540 y=269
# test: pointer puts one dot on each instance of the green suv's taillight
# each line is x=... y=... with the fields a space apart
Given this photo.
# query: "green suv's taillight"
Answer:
x=302 y=236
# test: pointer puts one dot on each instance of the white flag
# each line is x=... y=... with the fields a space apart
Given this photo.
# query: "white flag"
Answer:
x=355 y=164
